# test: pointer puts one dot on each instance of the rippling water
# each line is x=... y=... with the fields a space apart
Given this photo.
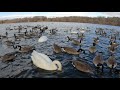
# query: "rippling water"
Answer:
x=22 y=66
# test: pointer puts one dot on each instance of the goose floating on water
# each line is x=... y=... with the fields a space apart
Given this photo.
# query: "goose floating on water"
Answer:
x=71 y=50
x=8 y=57
x=75 y=42
x=56 y=48
x=82 y=66
x=92 y=49
x=111 y=62
x=25 y=49
x=98 y=60
x=44 y=62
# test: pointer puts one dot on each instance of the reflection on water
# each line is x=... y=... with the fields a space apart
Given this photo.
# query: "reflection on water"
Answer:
x=22 y=66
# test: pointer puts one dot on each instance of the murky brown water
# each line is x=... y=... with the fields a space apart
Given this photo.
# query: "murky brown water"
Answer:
x=22 y=66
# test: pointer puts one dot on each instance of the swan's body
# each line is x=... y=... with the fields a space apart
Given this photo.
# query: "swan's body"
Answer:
x=44 y=62
x=73 y=32
x=82 y=31
x=42 y=39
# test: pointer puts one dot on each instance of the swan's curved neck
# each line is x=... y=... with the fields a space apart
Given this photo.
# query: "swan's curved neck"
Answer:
x=58 y=65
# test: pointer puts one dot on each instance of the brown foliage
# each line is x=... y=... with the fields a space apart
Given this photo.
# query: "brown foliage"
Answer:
x=96 y=20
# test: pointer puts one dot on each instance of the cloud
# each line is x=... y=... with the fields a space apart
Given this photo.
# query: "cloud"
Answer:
x=112 y=14
x=60 y=14
x=13 y=15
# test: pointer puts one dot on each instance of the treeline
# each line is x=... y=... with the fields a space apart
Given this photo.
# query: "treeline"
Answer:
x=96 y=20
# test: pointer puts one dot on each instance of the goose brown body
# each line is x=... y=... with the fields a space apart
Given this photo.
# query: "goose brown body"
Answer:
x=70 y=50
x=56 y=48
x=111 y=62
x=25 y=49
x=8 y=57
x=82 y=66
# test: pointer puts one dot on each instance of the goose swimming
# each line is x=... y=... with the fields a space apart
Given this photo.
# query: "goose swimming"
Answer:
x=83 y=66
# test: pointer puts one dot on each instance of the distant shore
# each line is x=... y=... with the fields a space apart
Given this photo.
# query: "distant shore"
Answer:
x=115 y=21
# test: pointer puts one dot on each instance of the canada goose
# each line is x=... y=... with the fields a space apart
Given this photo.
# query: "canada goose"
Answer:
x=82 y=66
x=97 y=32
x=70 y=50
x=25 y=49
x=44 y=62
x=77 y=42
x=74 y=41
x=111 y=49
x=9 y=43
x=21 y=35
x=104 y=33
x=56 y=48
x=33 y=33
x=111 y=62
x=81 y=35
x=3 y=37
x=96 y=40
x=112 y=38
x=27 y=36
x=98 y=61
x=6 y=33
x=69 y=39
x=8 y=57
x=17 y=38
x=114 y=44
x=92 y=49
x=53 y=31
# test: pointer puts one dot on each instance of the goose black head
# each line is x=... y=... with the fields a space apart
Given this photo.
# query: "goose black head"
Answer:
x=94 y=44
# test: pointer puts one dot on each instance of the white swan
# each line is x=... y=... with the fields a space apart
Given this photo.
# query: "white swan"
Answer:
x=43 y=61
x=42 y=39
x=73 y=32
x=82 y=31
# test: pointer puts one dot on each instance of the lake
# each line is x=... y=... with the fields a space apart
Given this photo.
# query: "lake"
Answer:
x=22 y=66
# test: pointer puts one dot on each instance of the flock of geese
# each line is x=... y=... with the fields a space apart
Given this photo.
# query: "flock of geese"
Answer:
x=14 y=41
x=42 y=61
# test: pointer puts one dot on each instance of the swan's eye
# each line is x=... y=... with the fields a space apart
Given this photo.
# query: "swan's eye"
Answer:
x=57 y=66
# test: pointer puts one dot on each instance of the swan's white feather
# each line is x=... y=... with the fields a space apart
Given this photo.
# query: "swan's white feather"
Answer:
x=41 y=55
x=42 y=61
x=42 y=39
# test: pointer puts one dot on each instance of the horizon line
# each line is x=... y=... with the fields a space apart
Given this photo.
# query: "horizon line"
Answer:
x=19 y=17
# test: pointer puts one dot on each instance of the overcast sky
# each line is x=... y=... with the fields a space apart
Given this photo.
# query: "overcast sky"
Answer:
x=10 y=15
